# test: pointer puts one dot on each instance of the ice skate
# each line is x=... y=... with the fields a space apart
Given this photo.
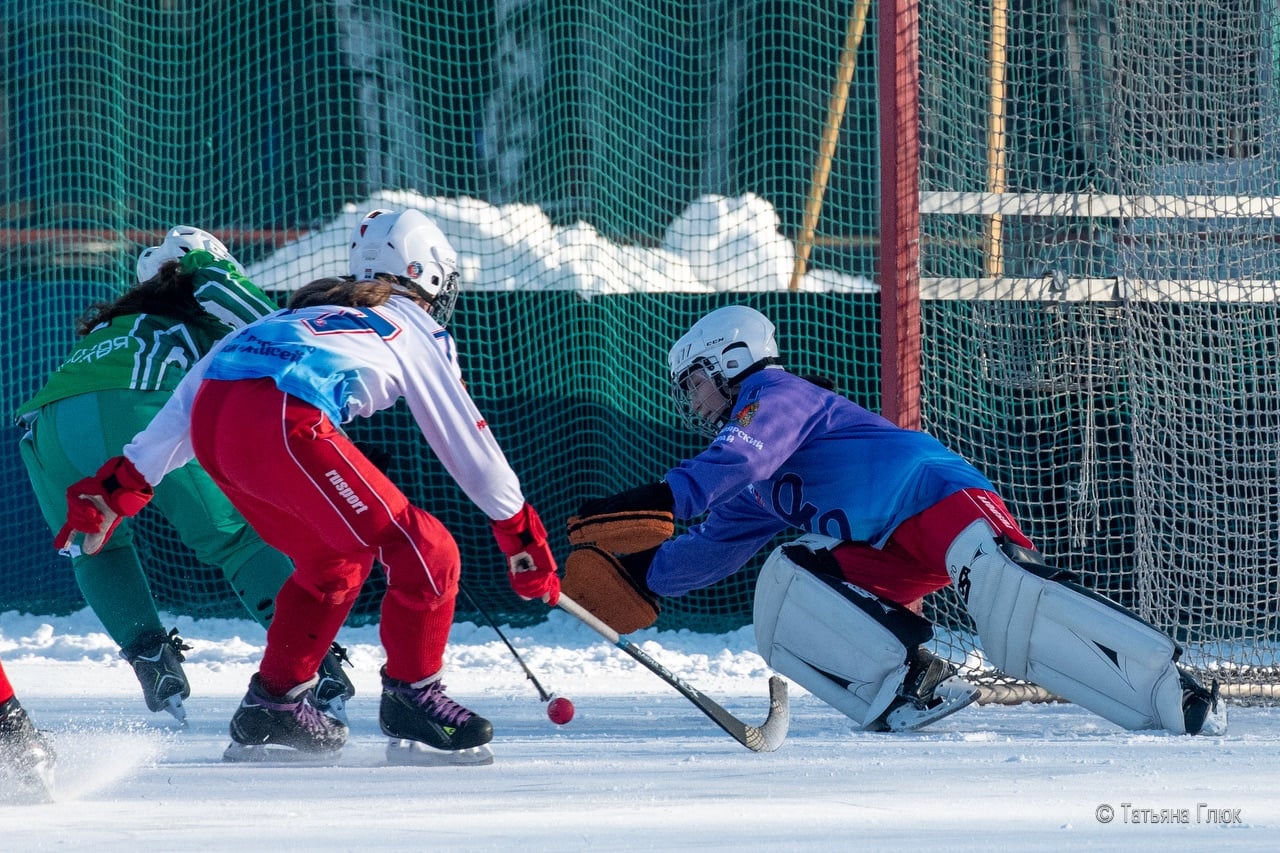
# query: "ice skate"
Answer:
x=427 y=727
x=26 y=757
x=288 y=728
x=931 y=690
x=157 y=662
x=334 y=688
x=1203 y=710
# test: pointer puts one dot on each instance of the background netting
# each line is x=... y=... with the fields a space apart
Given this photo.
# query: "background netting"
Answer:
x=267 y=122
x=1098 y=253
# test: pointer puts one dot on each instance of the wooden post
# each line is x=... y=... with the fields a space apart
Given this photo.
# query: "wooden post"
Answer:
x=992 y=246
x=830 y=136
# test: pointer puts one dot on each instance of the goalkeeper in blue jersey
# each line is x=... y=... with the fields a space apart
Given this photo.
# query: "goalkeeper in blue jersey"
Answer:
x=890 y=515
x=132 y=353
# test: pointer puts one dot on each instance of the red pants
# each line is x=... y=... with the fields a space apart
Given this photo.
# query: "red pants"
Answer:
x=913 y=563
x=309 y=493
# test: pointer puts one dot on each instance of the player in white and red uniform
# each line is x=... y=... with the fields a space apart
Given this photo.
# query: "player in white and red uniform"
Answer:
x=262 y=413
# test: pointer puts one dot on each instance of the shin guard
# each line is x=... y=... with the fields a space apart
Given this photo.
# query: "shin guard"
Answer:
x=1037 y=624
x=841 y=643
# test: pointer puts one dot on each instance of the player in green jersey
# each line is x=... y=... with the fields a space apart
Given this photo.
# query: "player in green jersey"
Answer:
x=132 y=353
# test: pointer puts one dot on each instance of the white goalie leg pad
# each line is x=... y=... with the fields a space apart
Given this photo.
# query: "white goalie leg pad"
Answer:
x=823 y=635
x=1083 y=649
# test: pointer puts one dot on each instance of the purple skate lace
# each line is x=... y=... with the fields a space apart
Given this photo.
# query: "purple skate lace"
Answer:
x=309 y=717
x=433 y=700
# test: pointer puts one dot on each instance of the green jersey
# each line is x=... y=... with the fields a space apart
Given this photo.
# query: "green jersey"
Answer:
x=151 y=352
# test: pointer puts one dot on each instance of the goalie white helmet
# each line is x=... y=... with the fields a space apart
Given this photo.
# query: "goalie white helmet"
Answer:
x=408 y=246
x=710 y=360
x=177 y=243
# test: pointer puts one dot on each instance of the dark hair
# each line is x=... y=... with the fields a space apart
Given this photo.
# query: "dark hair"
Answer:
x=169 y=293
x=345 y=290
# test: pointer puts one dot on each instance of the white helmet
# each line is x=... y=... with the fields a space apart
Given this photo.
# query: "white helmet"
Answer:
x=410 y=247
x=177 y=243
x=724 y=345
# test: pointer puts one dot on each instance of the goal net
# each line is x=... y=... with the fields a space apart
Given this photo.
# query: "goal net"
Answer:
x=1100 y=281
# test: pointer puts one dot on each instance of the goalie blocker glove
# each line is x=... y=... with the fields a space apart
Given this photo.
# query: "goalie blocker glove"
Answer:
x=95 y=505
x=613 y=588
x=629 y=522
x=530 y=564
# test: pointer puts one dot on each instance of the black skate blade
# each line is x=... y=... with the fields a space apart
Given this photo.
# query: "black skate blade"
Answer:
x=1215 y=720
x=401 y=751
x=267 y=754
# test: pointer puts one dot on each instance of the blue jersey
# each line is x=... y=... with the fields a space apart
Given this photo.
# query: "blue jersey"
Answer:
x=794 y=455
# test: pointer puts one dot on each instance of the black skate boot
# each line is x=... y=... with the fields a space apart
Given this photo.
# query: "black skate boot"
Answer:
x=1204 y=712
x=931 y=690
x=157 y=661
x=334 y=688
x=291 y=721
x=429 y=726
x=26 y=757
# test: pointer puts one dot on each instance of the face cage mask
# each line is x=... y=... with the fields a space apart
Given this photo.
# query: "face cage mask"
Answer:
x=446 y=299
x=440 y=306
x=682 y=397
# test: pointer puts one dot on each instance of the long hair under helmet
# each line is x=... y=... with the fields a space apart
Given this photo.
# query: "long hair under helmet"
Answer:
x=409 y=247
x=727 y=345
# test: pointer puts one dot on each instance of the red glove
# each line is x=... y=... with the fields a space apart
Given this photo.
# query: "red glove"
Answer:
x=96 y=504
x=530 y=565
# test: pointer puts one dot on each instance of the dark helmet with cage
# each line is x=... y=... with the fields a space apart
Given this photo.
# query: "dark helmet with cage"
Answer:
x=178 y=242
x=411 y=248
x=710 y=361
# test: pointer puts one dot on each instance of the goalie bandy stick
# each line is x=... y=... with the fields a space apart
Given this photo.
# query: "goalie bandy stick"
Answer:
x=766 y=738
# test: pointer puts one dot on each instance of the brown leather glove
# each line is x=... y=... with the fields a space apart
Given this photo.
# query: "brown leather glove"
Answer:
x=629 y=522
x=611 y=587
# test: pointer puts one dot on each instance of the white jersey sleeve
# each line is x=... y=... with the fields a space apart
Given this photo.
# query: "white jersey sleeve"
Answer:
x=453 y=426
x=165 y=443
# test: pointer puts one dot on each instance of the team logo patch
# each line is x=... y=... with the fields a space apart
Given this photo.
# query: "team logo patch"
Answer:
x=746 y=414
x=414 y=271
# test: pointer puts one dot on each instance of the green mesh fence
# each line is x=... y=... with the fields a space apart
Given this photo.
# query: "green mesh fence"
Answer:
x=269 y=122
